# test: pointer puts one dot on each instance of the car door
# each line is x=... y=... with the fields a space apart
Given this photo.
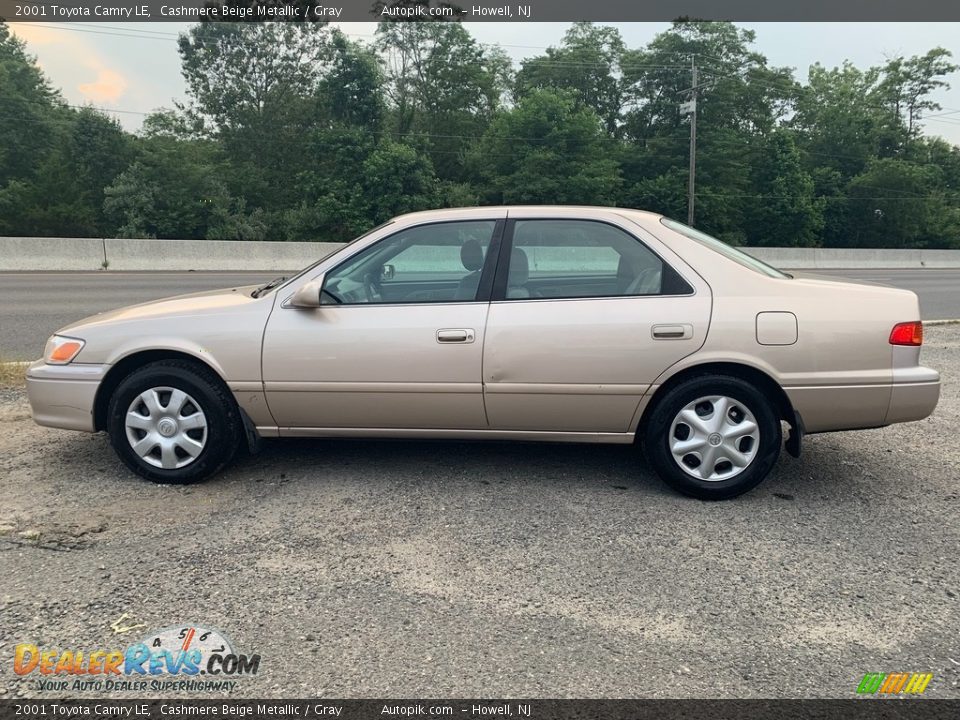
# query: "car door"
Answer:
x=398 y=340
x=584 y=316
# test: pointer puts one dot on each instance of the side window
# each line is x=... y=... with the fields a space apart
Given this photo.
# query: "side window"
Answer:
x=583 y=258
x=430 y=263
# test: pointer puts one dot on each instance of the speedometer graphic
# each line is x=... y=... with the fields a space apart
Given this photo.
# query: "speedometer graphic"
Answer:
x=189 y=637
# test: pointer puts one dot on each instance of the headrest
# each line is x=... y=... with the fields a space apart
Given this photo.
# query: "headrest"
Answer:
x=627 y=271
x=519 y=268
x=471 y=255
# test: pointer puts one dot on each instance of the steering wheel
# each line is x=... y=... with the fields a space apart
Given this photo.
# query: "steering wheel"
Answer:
x=371 y=287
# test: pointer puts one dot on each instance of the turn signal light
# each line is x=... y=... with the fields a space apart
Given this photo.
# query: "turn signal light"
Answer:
x=908 y=333
x=61 y=350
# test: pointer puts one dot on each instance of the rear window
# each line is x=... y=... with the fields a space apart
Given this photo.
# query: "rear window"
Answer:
x=728 y=251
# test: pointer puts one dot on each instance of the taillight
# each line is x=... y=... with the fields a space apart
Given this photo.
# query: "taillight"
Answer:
x=908 y=333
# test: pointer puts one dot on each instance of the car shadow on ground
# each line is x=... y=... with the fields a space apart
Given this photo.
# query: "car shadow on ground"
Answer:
x=829 y=470
x=818 y=473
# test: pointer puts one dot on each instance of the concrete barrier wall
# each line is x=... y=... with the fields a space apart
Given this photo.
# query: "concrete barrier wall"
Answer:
x=29 y=253
x=213 y=254
x=836 y=258
x=54 y=254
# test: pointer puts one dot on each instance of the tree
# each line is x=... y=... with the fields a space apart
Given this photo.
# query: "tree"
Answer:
x=358 y=181
x=252 y=85
x=547 y=150
x=174 y=190
x=786 y=214
x=30 y=110
x=740 y=100
x=351 y=93
x=293 y=131
x=908 y=82
x=895 y=204
x=588 y=65
x=443 y=87
x=97 y=151
x=740 y=91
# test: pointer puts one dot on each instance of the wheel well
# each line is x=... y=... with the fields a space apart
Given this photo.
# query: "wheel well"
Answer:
x=126 y=366
x=770 y=387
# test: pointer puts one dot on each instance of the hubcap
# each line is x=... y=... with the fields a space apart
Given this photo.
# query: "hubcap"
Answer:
x=166 y=427
x=714 y=438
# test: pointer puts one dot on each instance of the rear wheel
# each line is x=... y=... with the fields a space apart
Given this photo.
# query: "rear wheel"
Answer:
x=713 y=437
x=174 y=422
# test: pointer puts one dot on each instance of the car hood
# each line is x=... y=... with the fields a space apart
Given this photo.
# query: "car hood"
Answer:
x=179 y=306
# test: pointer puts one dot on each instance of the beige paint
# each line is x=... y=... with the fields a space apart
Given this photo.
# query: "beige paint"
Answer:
x=565 y=370
x=776 y=328
x=374 y=366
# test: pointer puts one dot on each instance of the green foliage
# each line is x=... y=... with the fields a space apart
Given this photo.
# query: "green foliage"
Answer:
x=588 y=65
x=789 y=215
x=546 y=150
x=54 y=161
x=358 y=181
x=896 y=204
x=443 y=86
x=352 y=92
x=292 y=131
x=171 y=190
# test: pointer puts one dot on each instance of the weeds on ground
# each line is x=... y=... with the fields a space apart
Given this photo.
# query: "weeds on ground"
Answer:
x=12 y=374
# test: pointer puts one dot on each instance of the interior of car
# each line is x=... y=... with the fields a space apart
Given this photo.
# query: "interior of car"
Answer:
x=549 y=259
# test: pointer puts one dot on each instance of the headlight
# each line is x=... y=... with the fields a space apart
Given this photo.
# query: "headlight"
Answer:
x=61 y=350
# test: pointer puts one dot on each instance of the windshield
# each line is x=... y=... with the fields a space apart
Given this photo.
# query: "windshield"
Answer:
x=271 y=286
x=728 y=251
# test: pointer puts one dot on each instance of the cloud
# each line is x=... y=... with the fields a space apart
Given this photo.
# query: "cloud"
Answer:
x=75 y=61
x=37 y=34
x=108 y=87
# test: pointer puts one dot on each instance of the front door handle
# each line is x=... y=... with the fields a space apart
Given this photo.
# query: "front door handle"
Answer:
x=672 y=332
x=455 y=335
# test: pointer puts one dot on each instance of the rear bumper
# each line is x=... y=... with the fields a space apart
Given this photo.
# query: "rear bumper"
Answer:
x=913 y=395
x=63 y=396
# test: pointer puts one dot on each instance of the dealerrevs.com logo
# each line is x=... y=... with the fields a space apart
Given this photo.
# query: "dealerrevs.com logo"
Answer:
x=187 y=657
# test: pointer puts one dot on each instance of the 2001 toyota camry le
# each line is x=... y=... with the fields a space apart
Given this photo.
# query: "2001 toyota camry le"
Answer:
x=595 y=325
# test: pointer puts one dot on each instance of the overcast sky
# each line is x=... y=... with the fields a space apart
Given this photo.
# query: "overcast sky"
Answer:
x=102 y=64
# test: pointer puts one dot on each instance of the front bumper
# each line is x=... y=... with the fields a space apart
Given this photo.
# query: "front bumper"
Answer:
x=63 y=396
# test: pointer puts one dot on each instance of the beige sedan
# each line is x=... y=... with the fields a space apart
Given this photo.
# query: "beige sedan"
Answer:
x=590 y=325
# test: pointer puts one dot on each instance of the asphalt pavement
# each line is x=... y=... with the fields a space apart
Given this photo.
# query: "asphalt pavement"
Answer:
x=34 y=305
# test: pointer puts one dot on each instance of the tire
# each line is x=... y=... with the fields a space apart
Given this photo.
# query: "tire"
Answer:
x=182 y=418
x=696 y=437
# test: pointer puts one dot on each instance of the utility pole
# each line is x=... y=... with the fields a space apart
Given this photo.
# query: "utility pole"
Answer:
x=692 y=179
x=689 y=109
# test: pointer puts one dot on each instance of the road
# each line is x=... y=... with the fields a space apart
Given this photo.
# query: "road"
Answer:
x=429 y=569
x=34 y=305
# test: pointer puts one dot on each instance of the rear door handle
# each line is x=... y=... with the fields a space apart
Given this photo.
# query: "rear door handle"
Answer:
x=672 y=332
x=455 y=335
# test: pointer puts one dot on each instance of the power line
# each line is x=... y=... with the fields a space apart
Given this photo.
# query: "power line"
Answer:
x=829 y=198
x=171 y=37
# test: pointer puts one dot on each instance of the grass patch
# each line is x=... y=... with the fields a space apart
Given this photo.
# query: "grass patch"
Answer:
x=12 y=374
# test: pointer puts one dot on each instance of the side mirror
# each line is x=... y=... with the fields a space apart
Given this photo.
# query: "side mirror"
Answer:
x=388 y=272
x=308 y=296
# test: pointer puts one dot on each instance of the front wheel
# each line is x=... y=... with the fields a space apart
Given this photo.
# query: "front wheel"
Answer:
x=713 y=437
x=174 y=422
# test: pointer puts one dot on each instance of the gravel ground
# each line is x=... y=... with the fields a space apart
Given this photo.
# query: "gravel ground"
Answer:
x=413 y=569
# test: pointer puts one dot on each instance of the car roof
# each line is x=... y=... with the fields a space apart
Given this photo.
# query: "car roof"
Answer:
x=486 y=210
